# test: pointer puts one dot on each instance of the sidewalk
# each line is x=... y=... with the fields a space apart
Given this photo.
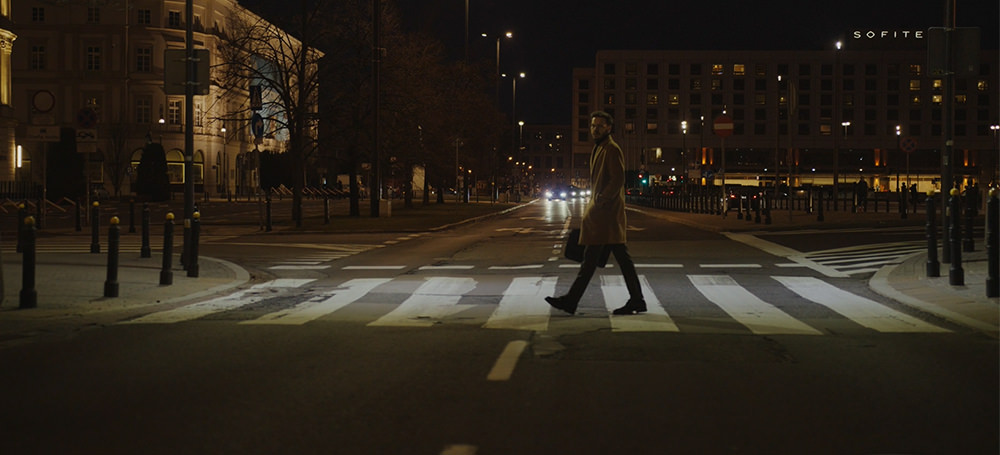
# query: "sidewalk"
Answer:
x=71 y=285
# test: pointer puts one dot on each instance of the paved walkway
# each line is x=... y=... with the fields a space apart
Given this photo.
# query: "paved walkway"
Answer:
x=72 y=284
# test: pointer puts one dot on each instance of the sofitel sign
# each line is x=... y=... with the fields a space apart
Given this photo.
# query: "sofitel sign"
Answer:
x=893 y=34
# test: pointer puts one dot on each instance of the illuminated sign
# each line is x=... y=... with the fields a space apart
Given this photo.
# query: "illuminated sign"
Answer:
x=888 y=34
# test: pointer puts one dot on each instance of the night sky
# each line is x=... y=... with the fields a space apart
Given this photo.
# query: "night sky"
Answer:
x=553 y=36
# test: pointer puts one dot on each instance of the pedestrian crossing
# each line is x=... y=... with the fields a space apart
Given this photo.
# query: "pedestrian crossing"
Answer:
x=854 y=260
x=426 y=302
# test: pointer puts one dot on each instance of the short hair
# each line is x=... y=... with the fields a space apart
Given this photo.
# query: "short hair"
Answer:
x=604 y=115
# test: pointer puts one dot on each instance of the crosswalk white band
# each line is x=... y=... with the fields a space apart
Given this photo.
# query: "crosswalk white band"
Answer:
x=254 y=294
x=523 y=306
x=655 y=319
x=433 y=301
x=866 y=312
x=321 y=305
x=760 y=317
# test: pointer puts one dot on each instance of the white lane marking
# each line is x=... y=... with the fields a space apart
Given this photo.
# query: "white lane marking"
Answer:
x=788 y=265
x=729 y=266
x=299 y=267
x=784 y=252
x=446 y=267
x=523 y=306
x=576 y=266
x=659 y=266
x=760 y=317
x=504 y=366
x=434 y=300
x=374 y=267
x=321 y=305
x=516 y=267
x=866 y=312
x=655 y=319
x=235 y=300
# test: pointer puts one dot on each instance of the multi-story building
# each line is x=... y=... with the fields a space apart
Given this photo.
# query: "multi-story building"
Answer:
x=854 y=112
x=8 y=144
x=545 y=151
x=89 y=82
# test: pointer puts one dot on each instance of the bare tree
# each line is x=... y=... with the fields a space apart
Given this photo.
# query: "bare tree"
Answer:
x=283 y=59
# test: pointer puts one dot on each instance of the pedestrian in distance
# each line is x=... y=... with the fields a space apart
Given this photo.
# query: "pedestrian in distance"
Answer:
x=603 y=225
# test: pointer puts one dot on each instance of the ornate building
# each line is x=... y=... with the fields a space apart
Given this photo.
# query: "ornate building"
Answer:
x=7 y=121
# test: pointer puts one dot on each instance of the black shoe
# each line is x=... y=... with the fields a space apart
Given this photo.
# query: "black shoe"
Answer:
x=631 y=307
x=561 y=303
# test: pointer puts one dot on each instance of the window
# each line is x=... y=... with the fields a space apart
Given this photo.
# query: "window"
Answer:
x=651 y=127
x=143 y=59
x=716 y=84
x=37 y=14
x=652 y=84
x=739 y=69
x=674 y=99
x=916 y=70
x=609 y=99
x=695 y=84
x=174 y=113
x=143 y=109
x=630 y=98
x=143 y=17
x=760 y=99
x=174 y=19
x=609 y=68
x=848 y=100
x=936 y=99
x=652 y=69
x=983 y=85
x=739 y=84
x=630 y=83
x=584 y=84
x=695 y=69
x=198 y=114
x=652 y=99
x=914 y=85
x=37 y=59
x=760 y=69
x=915 y=100
x=93 y=15
x=583 y=98
x=175 y=166
x=674 y=69
x=717 y=69
x=609 y=83
x=937 y=84
x=871 y=70
x=93 y=58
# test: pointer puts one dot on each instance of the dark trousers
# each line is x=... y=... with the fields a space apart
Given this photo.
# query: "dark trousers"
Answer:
x=591 y=257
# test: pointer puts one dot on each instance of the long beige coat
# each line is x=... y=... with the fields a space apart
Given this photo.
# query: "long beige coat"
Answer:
x=604 y=218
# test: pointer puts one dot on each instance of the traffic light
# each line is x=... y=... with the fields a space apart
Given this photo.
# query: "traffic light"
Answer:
x=642 y=178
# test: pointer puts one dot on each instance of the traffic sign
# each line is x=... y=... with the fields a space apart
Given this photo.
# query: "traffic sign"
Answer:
x=908 y=144
x=723 y=126
x=86 y=118
x=257 y=125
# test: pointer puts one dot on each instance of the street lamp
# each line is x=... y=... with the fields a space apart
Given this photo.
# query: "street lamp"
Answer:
x=684 y=136
x=995 y=129
x=513 y=110
x=836 y=117
x=508 y=35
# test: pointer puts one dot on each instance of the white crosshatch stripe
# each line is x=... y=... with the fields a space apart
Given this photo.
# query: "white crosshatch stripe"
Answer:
x=655 y=319
x=760 y=317
x=434 y=300
x=321 y=305
x=216 y=305
x=864 y=311
x=523 y=306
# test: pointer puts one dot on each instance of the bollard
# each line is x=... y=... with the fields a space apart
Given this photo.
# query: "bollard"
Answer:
x=29 y=295
x=144 y=251
x=968 y=244
x=992 y=262
x=114 y=239
x=758 y=201
x=22 y=214
x=933 y=266
x=326 y=210
x=267 y=213
x=131 y=216
x=192 y=266
x=166 y=275
x=956 y=275
x=95 y=228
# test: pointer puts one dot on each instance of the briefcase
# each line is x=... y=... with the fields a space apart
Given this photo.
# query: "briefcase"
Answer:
x=574 y=251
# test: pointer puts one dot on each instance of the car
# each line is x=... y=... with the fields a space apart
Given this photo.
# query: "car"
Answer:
x=575 y=192
x=557 y=193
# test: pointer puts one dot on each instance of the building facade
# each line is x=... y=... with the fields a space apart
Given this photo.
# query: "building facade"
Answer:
x=545 y=151
x=88 y=91
x=8 y=144
x=802 y=117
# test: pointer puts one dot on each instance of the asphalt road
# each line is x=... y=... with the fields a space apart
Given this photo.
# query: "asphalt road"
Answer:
x=440 y=343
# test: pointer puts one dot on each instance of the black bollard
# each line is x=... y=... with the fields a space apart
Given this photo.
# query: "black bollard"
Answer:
x=757 y=203
x=933 y=266
x=166 y=275
x=131 y=216
x=267 y=213
x=95 y=228
x=992 y=262
x=144 y=251
x=79 y=221
x=956 y=275
x=22 y=214
x=192 y=266
x=968 y=244
x=29 y=295
x=114 y=240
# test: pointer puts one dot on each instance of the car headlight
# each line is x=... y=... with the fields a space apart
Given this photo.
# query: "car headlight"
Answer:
x=563 y=194
x=548 y=194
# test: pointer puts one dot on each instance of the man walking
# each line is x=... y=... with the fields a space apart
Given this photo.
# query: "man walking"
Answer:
x=603 y=225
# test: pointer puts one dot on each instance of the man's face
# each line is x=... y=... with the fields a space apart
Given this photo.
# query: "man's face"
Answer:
x=599 y=128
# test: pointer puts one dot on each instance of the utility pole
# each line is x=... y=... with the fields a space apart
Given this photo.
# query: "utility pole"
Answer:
x=375 y=185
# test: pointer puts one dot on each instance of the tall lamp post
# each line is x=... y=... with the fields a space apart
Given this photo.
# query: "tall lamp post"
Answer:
x=684 y=136
x=513 y=113
x=836 y=118
x=993 y=172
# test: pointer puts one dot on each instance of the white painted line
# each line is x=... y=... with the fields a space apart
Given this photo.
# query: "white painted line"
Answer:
x=299 y=267
x=321 y=305
x=866 y=312
x=446 y=267
x=523 y=306
x=760 y=317
x=576 y=266
x=219 y=304
x=729 y=266
x=374 y=267
x=504 y=366
x=434 y=300
x=304 y=262
x=516 y=267
x=655 y=319
x=659 y=266
x=791 y=265
x=391 y=242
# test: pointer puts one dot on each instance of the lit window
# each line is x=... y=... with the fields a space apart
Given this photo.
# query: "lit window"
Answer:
x=916 y=70
x=960 y=99
x=674 y=99
x=936 y=99
x=914 y=84
x=717 y=68
x=198 y=114
x=915 y=100
x=652 y=99
x=609 y=99
x=937 y=84
x=651 y=128
x=174 y=113
x=716 y=84
x=739 y=69
x=983 y=85
x=630 y=127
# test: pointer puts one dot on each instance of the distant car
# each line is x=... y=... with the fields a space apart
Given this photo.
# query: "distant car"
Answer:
x=575 y=192
x=557 y=193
